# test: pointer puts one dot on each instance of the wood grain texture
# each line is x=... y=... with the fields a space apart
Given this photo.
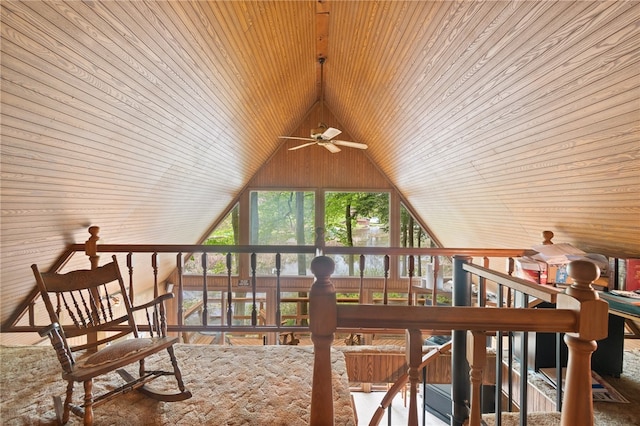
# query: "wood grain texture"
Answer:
x=494 y=120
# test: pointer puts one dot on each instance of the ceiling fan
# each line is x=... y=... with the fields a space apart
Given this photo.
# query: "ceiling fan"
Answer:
x=323 y=135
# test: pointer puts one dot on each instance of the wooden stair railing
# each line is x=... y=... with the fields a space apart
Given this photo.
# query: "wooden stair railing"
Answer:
x=427 y=359
x=580 y=314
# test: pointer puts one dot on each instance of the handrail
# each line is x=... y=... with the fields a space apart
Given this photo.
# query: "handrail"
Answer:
x=545 y=293
x=92 y=248
x=457 y=318
x=327 y=250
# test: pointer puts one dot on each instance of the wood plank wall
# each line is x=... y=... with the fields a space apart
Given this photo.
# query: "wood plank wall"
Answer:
x=495 y=120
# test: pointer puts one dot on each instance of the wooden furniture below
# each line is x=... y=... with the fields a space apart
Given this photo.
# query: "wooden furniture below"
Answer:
x=385 y=364
x=374 y=364
x=83 y=298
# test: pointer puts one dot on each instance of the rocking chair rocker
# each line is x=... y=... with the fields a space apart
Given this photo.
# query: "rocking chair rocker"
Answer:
x=84 y=300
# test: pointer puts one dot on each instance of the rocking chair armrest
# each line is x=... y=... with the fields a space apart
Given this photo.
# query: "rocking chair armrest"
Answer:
x=158 y=300
x=49 y=329
x=56 y=336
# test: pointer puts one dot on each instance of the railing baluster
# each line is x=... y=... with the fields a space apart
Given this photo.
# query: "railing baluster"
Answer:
x=477 y=362
x=278 y=295
x=205 y=295
x=524 y=368
x=559 y=380
x=482 y=286
x=154 y=264
x=413 y=349
x=385 y=296
x=229 y=295
x=410 y=290
x=510 y=341
x=180 y=289
x=223 y=296
x=361 y=294
x=499 y=349
x=254 y=311
x=436 y=271
x=130 y=269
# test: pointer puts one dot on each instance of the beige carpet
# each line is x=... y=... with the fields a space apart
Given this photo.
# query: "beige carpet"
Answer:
x=239 y=385
x=605 y=413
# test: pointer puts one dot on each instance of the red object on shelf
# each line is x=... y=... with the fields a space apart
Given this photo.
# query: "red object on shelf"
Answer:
x=632 y=281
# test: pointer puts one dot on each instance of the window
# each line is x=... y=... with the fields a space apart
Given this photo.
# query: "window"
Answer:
x=413 y=235
x=282 y=218
x=226 y=233
x=357 y=219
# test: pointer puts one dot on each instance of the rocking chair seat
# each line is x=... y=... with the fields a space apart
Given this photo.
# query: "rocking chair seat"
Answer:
x=117 y=355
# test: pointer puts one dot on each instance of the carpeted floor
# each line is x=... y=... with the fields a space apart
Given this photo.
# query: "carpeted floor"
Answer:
x=605 y=413
x=227 y=391
x=239 y=385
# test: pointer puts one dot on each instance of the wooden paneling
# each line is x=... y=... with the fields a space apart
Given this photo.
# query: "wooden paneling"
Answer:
x=315 y=167
x=517 y=116
x=495 y=120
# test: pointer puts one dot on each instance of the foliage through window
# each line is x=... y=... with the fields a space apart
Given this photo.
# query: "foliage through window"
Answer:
x=283 y=218
x=226 y=233
x=413 y=235
x=357 y=219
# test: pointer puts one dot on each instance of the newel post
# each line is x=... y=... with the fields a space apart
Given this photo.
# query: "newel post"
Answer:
x=322 y=323
x=91 y=250
x=91 y=246
x=577 y=406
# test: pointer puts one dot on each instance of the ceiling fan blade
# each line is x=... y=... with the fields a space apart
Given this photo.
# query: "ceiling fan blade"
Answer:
x=302 y=146
x=330 y=133
x=296 y=138
x=330 y=147
x=352 y=144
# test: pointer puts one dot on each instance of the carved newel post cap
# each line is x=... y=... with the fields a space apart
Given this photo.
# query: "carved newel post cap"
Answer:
x=93 y=231
x=583 y=271
x=322 y=266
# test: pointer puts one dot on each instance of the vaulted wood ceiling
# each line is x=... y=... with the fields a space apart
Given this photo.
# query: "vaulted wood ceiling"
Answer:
x=495 y=120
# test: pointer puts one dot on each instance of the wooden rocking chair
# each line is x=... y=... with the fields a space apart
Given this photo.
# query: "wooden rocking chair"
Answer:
x=84 y=301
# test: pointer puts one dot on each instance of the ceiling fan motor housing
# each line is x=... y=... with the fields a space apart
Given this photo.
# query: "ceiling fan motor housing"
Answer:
x=318 y=131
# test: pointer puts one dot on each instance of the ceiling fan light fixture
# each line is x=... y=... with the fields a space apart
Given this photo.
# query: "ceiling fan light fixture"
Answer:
x=323 y=134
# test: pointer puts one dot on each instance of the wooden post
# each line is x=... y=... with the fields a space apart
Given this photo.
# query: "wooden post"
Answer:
x=91 y=250
x=414 y=358
x=91 y=246
x=460 y=384
x=547 y=236
x=477 y=357
x=322 y=324
x=577 y=407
